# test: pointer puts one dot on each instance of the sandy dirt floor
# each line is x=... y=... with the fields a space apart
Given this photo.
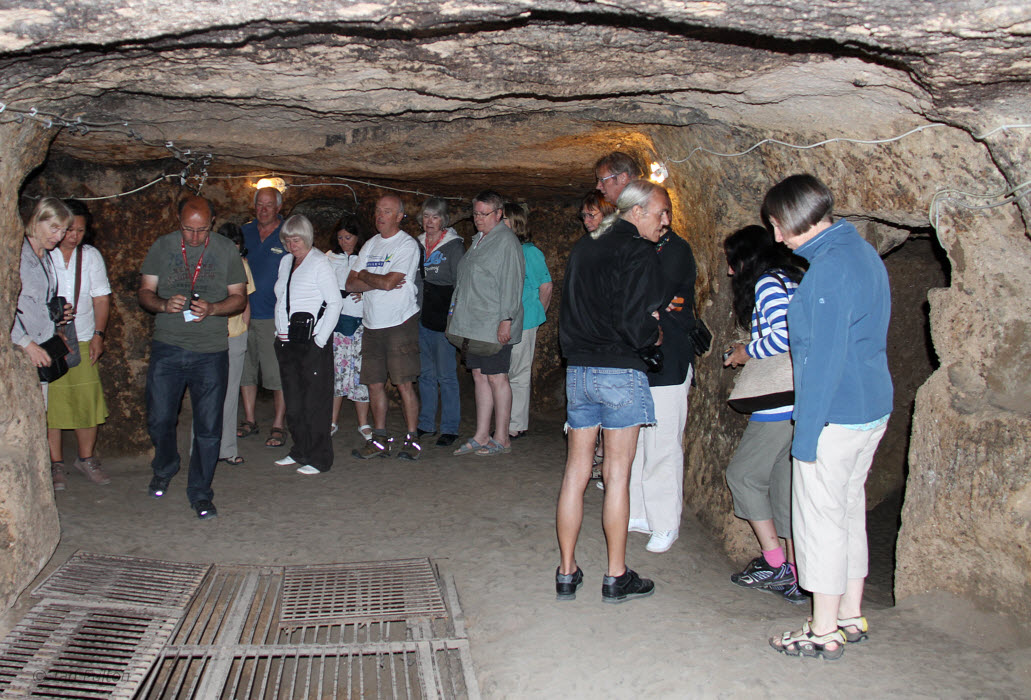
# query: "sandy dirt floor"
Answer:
x=489 y=523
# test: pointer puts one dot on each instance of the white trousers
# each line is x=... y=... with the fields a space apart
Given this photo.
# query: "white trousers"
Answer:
x=657 y=474
x=828 y=509
x=519 y=374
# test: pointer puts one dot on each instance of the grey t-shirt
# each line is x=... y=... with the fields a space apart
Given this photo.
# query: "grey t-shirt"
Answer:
x=221 y=267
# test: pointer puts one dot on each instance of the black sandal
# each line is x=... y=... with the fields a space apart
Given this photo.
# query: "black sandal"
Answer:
x=276 y=438
x=246 y=429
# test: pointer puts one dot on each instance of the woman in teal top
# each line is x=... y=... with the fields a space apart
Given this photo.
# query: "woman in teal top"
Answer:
x=536 y=298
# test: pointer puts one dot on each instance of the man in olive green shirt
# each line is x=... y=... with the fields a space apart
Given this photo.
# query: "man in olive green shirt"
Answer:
x=193 y=279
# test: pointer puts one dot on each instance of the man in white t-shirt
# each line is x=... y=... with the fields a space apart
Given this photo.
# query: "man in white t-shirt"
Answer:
x=386 y=278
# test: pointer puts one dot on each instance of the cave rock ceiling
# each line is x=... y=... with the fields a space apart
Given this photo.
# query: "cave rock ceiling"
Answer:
x=446 y=92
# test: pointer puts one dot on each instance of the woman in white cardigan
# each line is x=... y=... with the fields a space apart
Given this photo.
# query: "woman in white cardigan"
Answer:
x=308 y=305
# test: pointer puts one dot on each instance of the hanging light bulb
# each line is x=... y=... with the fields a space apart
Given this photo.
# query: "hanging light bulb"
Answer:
x=276 y=182
x=659 y=173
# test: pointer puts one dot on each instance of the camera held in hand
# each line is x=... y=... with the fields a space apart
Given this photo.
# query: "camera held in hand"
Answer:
x=55 y=307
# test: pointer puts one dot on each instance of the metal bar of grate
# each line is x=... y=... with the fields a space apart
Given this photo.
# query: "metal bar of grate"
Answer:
x=130 y=580
x=364 y=591
x=64 y=650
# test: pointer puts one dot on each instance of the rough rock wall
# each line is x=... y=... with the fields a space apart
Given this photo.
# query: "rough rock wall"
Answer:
x=969 y=489
x=29 y=528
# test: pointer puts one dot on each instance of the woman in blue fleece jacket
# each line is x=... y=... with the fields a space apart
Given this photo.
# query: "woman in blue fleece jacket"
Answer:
x=843 y=395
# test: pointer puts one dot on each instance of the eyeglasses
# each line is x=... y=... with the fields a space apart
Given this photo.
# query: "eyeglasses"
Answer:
x=589 y=214
x=601 y=180
x=58 y=228
x=483 y=214
x=195 y=231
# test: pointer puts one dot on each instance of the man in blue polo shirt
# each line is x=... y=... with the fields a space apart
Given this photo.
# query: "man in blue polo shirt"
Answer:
x=264 y=251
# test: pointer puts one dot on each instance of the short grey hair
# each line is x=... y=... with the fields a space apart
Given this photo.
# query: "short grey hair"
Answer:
x=298 y=226
x=635 y=194
x=438 y=207
x=279 y=195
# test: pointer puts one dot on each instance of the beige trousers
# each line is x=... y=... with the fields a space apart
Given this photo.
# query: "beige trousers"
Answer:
x=828 y=509
x=657 y=473
x=519 y=374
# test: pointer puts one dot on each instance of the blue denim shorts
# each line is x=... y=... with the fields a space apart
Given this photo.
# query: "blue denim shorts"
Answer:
x=608 y=397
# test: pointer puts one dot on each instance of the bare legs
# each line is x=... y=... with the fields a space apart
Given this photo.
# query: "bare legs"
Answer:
x=620 y=446
x=493 y=396
x=85 y=437
x=249 y=398
x=378 y=402
x=766 y=533
x=360 y=407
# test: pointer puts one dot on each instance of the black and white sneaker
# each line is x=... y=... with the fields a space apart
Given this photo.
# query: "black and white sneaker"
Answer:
x=759 y=574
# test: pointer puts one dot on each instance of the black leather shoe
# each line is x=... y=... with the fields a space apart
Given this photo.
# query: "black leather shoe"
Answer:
x=420 y=432
x=566 y=585
x=619 y=589
x=205 y=510
x=446 y=440
x=158 y=487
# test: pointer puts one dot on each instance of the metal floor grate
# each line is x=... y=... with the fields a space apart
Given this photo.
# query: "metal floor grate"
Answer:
x=362 y=591
x=389 y=629
x=63 y=650
x=128 y=580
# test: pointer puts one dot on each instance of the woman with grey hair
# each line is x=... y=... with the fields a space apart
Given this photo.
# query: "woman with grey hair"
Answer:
x=308 y=305
x=442 y=250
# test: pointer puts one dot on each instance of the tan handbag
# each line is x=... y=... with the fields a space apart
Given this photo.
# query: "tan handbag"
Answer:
x=764 y=383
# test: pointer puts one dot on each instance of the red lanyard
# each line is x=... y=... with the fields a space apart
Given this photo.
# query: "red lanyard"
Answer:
x=430 y=249
x=200 y=261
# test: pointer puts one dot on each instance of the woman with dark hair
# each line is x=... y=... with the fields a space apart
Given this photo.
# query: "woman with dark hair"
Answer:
x=593 y=209
x=77 y=399
x=348 y=238
x=764 y=278
x=238 y=332
x=843 y=398
x=443 y=250
x=537 y=289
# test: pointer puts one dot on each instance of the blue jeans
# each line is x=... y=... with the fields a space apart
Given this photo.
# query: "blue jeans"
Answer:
x=609 y=397
x=172 y=371
x=439 y=368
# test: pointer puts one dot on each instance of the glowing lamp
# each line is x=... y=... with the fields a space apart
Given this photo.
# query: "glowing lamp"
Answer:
x=276 y=182
x=659 y=173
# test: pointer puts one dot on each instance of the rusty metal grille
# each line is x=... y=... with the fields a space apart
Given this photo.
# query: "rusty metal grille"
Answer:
x=395 y=670
x=366 y=630
x=388 y=590
x=63 y=650
x=130 y=580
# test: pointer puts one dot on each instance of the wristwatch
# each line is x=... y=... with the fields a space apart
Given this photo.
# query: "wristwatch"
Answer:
x=101 y=334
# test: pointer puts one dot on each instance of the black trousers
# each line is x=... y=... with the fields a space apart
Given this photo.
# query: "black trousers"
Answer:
x=306 y=371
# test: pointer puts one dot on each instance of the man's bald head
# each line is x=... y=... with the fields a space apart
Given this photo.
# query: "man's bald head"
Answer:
x=195 y=218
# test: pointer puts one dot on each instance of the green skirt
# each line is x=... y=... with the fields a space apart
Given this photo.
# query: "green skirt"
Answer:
x=77 y=399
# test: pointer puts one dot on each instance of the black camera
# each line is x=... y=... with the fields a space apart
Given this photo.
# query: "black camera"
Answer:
x=652 y=357
x=55 y=307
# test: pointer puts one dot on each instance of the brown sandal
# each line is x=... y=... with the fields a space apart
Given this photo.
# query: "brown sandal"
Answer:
x=276 y=438
x=246 y=429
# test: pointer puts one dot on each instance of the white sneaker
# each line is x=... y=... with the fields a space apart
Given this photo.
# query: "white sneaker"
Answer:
x=639 y=525
x=308 y=470
x=285 y=461
x=662 y=540
x=333 y=427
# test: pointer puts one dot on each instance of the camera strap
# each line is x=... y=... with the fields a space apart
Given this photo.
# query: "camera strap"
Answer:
x=289 y=279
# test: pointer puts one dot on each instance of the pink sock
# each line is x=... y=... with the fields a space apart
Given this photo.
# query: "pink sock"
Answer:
x=794 y=570
x=774 y=557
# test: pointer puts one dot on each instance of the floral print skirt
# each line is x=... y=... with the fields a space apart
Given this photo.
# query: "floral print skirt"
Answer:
x=347 y=366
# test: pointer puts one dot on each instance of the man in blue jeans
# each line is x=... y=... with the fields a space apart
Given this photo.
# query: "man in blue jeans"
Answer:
x=192 y=280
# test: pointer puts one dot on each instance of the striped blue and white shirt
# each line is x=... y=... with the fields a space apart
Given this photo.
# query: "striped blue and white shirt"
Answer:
x=773 y=292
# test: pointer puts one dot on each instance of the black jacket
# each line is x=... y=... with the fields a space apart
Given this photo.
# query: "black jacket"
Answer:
x=612 y=285
x=678 y=277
